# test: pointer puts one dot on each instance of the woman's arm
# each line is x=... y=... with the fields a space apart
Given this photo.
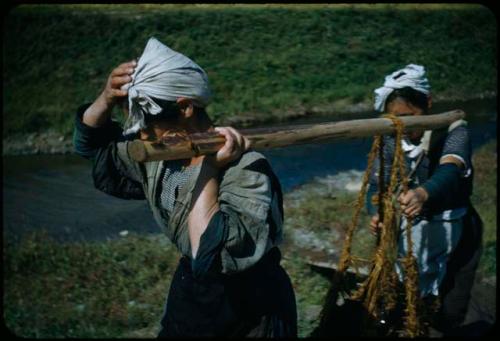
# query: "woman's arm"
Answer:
x=444 y=185
x=248 y=220
x=205 y=198
x=98 y=138
x=99 y=112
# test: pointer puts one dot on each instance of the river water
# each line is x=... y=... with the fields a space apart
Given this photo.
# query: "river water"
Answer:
x=55 y=192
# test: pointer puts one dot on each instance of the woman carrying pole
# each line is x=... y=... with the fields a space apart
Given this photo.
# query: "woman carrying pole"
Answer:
x=223 y=211
x=446 y=231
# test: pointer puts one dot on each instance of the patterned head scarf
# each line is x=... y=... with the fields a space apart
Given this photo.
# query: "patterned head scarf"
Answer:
x=164 y=74
x=411 y=75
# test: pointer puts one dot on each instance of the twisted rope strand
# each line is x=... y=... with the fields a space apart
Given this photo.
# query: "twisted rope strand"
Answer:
x=378 y=291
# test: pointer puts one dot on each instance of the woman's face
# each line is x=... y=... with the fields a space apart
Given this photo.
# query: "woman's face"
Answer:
x=157 y=129
x=400 y=107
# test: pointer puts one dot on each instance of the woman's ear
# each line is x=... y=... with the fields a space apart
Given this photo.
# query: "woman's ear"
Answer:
x=186 y=107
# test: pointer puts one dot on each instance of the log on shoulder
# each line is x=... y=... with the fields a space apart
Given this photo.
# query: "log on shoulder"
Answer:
x=186 y=146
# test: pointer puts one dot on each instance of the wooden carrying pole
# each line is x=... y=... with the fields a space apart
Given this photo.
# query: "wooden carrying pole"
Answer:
x=187 y=146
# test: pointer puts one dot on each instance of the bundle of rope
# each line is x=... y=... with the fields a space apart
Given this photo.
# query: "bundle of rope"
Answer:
x=378 y=292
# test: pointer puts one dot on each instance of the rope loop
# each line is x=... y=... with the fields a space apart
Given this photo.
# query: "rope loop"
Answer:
x=378 y=291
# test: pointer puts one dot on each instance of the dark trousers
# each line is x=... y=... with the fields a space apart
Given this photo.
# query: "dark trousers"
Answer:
x=461 y=269
x=258 y=302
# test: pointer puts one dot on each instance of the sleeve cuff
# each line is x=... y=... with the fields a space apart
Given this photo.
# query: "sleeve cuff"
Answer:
x=467 y=170
x=86 y=128
x=87 y=140
x=441 y=183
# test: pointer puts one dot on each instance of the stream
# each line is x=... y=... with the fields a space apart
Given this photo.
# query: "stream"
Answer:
x=55 y=192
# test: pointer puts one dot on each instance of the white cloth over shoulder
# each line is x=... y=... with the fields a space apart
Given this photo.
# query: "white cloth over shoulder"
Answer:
x=414 y=151
x=411 y=75
x=164 y=74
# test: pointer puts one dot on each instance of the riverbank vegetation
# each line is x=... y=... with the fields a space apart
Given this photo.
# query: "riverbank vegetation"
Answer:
x=117 y=288
x=265 y=63
x=485 y=201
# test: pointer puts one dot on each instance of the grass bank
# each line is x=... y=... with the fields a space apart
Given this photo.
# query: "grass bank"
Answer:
x=117 y=288
x=265 y=62
x=485 y=201
x=89 y=290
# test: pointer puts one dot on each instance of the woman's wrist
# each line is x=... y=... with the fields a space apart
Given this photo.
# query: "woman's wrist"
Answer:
x=98 y=113
x=422 y=194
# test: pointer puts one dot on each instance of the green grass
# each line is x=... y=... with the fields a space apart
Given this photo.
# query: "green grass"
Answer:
x=322 y=214
x=310 y=289
x=484 y=199
x=264 y=61
x=85 y=290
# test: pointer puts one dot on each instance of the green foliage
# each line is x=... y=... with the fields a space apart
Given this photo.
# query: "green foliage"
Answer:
x=263 y=61
x=325 y=214
x=327 y=217
x=484 y=200
x=84 y=289
x=310 y=289
x=488 y=263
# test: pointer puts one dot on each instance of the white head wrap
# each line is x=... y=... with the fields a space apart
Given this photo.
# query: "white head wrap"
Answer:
x=164 y=74
x=412 y=76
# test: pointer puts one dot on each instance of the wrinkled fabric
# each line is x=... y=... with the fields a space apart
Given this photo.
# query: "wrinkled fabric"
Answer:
x=251 y=207
x=251 y=297
x=109 y=173
x=250 y=195
x=433 y=243
x=452 y=141
x=164 y=74
x=411 y=75
x=87 y=140
x=259 y=302
x=414 y=151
